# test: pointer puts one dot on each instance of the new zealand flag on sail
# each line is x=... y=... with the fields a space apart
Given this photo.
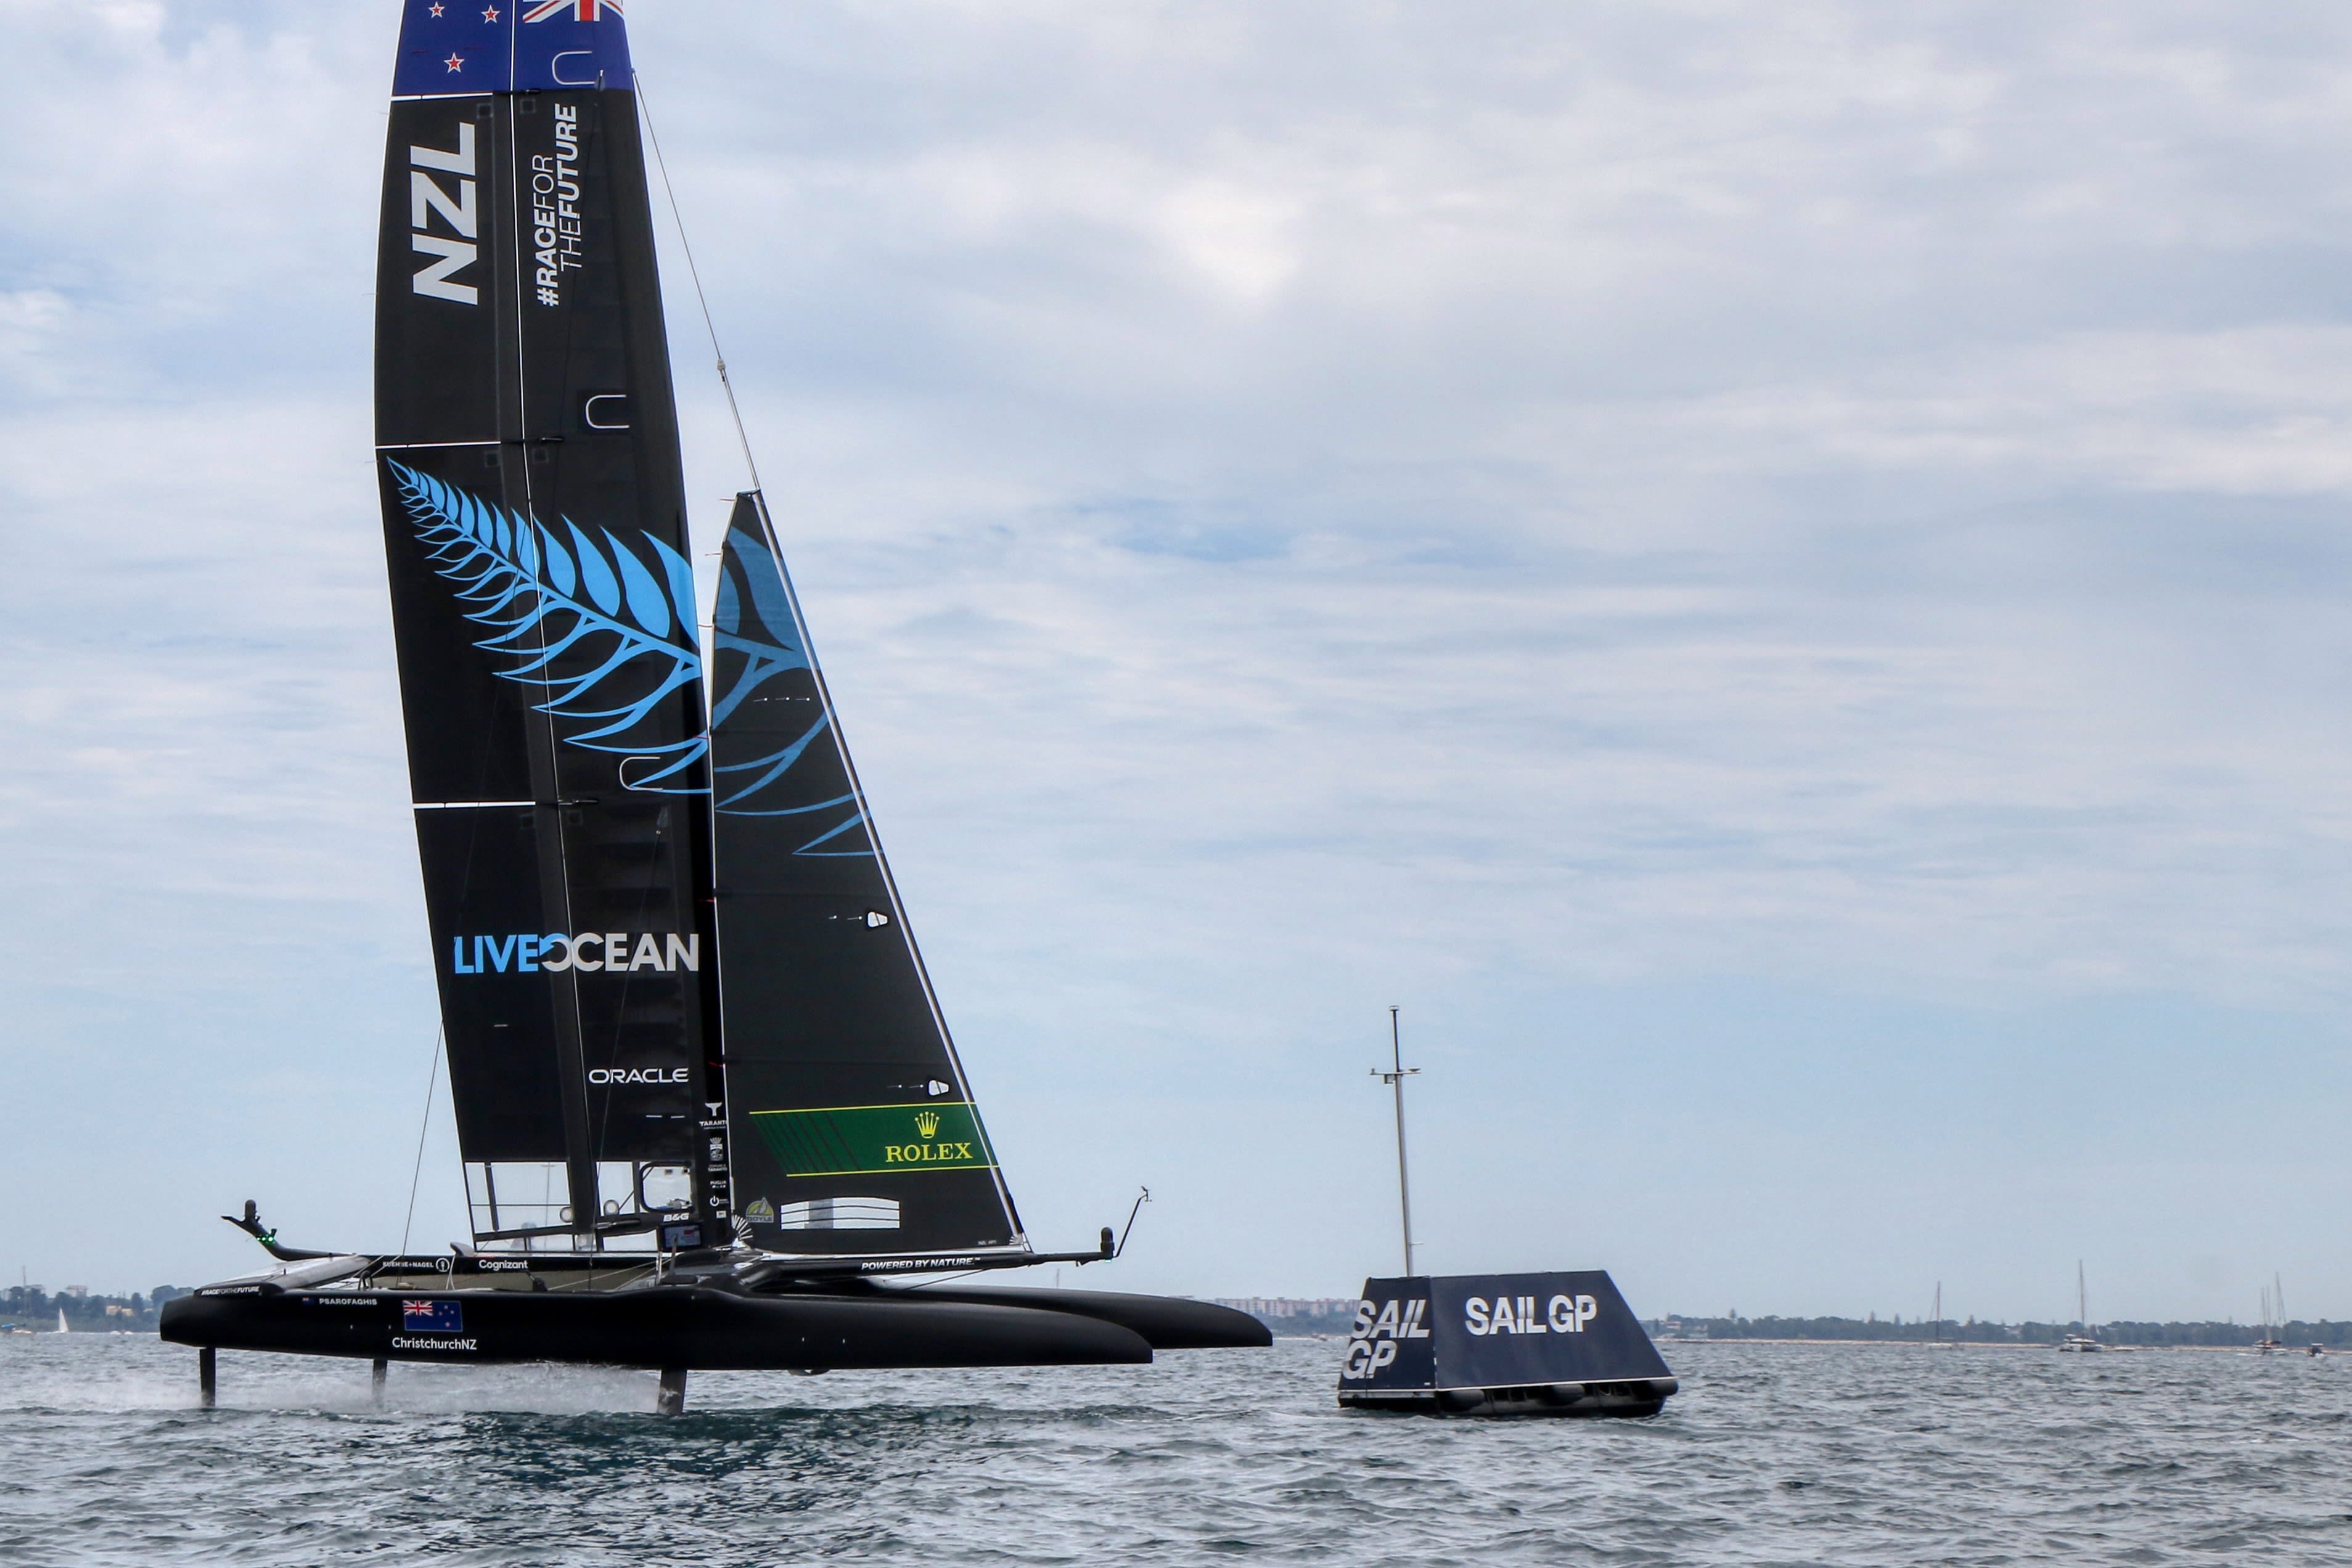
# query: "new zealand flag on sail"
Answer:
x=479 y=46
x=432 y=1317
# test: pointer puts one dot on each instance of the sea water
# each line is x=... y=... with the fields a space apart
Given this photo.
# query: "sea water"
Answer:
x=1772 y=1454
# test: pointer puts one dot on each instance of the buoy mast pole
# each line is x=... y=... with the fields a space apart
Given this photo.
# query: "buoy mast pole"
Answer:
x=1394 y=1078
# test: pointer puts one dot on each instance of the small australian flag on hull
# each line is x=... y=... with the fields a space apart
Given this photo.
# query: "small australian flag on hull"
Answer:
x=432 y=1317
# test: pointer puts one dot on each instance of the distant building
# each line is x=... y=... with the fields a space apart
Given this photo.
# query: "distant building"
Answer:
x=1290 y=1306
x=1298 y=1314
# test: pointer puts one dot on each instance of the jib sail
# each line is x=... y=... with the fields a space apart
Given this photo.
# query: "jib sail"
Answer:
x=854 y=1130
x=550 y=661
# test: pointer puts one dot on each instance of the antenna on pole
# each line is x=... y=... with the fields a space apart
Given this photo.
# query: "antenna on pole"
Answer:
x=1394 y=1078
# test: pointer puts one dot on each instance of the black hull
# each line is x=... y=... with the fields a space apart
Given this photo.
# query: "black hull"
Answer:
x=674 y=1327
x=1166 y=1322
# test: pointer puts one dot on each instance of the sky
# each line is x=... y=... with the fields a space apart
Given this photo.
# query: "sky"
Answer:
x=1774 y=576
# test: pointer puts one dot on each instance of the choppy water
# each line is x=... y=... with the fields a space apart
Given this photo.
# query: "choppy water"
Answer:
x=1773 y=1454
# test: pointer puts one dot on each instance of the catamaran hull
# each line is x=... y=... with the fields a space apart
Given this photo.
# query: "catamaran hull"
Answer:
x=673 y=1328
x=1166 y=1322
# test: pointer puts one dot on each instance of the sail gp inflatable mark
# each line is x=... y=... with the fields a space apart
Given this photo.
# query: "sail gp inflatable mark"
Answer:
x=1562 y=1343
x=612 y=952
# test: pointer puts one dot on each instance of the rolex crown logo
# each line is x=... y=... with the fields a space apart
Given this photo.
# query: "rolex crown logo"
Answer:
x=927 y=1123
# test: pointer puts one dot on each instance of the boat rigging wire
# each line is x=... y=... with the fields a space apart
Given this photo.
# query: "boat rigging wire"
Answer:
x=431 y=1079
x=695 y=273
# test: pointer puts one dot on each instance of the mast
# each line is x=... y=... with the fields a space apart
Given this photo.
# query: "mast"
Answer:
x=543 y=607
x=2082 y=1302
x=1394 y=1078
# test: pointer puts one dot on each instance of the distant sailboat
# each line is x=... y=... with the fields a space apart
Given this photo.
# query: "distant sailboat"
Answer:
x=61 y=1321
x=2274 y=1319
x=1939 y=1341
x=2087 y=1340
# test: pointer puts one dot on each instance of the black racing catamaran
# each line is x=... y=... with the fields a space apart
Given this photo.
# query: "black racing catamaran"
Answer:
x=707 y=1105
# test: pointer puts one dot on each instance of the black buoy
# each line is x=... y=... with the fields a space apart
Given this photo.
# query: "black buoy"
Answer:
x=1501 y=1344
x=207 y=1378
x=671 y=1400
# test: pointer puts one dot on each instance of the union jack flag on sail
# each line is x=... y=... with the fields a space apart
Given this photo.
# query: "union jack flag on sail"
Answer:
x=581 y=10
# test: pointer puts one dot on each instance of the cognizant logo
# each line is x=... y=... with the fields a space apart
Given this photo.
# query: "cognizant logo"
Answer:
x=613 y=952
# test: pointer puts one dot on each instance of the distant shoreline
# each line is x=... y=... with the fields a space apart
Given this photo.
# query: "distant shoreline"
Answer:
x=2286 y=1347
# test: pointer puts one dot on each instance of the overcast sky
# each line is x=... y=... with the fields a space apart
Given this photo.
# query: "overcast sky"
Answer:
x=1774 y=574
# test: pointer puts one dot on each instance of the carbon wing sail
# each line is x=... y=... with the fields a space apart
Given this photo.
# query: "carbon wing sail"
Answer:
x=854 y=1130
x=551 y=667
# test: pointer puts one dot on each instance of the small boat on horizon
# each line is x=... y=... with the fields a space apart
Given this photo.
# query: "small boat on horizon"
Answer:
x=2274 y=1324
x=1937 y=1318
x=2085 y=1340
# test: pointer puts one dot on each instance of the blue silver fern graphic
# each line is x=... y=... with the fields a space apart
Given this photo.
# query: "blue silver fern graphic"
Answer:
x=756 y=622
x=545 y=597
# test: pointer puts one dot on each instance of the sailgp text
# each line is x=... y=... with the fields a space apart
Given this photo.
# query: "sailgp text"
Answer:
x=430 y=201
x=1378 y=1330
x=613 y=952
x=1562 y=1314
